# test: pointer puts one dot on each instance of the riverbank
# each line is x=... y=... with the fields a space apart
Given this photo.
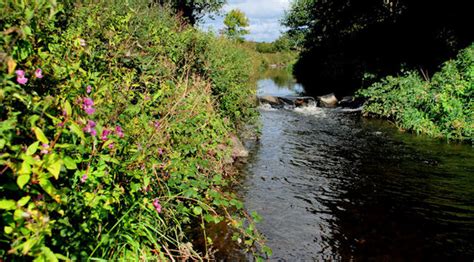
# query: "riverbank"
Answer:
x=116 y=132
x=438 y=107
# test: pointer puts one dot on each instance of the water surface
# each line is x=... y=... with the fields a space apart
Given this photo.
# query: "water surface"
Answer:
x=332 y=185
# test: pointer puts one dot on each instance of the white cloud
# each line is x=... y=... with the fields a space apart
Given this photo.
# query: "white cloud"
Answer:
x=264 y=17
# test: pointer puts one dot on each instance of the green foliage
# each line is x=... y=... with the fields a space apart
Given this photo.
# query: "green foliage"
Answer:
x=116 y=146
x=440 y=107
x=193 y=10
x=235 y=23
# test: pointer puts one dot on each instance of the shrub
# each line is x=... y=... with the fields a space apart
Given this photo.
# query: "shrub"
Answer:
x=110 y=132
x=440 y=107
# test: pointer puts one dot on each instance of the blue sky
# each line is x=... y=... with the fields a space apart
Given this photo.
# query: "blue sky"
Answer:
x=264 y=16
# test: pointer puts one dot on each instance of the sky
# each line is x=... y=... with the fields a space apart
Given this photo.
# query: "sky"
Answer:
x=264 y=17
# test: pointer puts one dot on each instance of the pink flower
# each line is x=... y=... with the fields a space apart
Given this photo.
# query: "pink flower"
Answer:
x=105 y=134
x=156 y=204
x=89 y=110
x=89 y=89
x=88 y=101
x=22 y=80
x=89 y=128
x=87 y=105
x=84 y=178
x=157 y=124
x=20 y=77
x=160 y=151
x=20 y=73
x=45 y=149
x=119 y=131
x=111 y=146
x=39 y=73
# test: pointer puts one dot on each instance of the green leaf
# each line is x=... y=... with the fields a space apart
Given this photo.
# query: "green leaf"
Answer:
x=55 y=168
x=77 y=130
x=32 y=148
x=23 y=201
x=67 y=108
x=40 y=135
x=7 y=204
x=197 y=210
x=48 y=254
x=48 y=187
x=25 y=168
x=70 y=163
x=22 y=180
x=8 y=230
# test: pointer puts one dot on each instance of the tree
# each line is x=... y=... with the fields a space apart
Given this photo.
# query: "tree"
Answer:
x=345 y=39
x=235 y=23
x=194 y=10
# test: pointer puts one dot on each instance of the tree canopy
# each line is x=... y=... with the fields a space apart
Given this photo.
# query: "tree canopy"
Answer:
x=194 y=10
x=346 y=39
x=235 y=25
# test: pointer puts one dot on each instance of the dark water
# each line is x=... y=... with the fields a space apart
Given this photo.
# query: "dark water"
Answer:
x=332 y=185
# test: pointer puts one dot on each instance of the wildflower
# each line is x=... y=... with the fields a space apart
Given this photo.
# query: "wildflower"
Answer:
x=82 y=42
x=87 y=105
x=20 y=77
x=89 y=128
x=20 y=73
x=160 y=151
x=39 y=73
x=105 y=134
x=156 y=204
x=84 y=178
x=45 y=149
x=111 y=146
x=119 y=131
x=89 y=89
x=157 y=124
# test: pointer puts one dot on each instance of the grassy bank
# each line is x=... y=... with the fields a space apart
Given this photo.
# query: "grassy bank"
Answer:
x=442 y=106
x=115 y=124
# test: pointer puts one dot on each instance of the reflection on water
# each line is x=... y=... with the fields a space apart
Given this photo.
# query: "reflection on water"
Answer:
x=332 y=185
x=277 y=82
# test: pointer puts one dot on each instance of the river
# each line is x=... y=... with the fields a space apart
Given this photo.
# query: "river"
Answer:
x=331 y=185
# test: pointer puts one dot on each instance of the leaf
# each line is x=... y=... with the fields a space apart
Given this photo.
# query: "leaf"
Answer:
x=11 y=65
x=67 y=108
x=32 y=148
x=197 y=210
x=7 y=204
x=77 y=130
x=48 y=187
x=23 y=201
x=69 y=163
x=55 y=168
x=40 y=135
x=22 y=180
x=8 y=230
x=48 y=254
x=25 y=168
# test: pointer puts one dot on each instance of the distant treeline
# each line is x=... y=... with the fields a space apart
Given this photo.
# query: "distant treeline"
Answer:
x=348 y=44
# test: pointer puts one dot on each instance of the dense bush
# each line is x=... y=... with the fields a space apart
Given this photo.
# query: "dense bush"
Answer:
x=440 y=107
x=113 y=122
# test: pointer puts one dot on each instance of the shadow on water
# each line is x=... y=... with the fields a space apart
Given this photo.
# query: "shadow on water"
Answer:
x=332 y=185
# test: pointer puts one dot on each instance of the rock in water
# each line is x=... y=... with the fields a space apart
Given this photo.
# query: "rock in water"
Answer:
x=238 y=149
x=272 y=100
x=328 y=100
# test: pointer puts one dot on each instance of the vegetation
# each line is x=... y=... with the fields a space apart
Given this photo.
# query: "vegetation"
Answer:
x=193 y=10
x=440 y=107
x=345 y=40
x=114 y=118
x=235 y=23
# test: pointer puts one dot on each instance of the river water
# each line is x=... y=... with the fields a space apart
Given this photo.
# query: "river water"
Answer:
x=331 y=185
